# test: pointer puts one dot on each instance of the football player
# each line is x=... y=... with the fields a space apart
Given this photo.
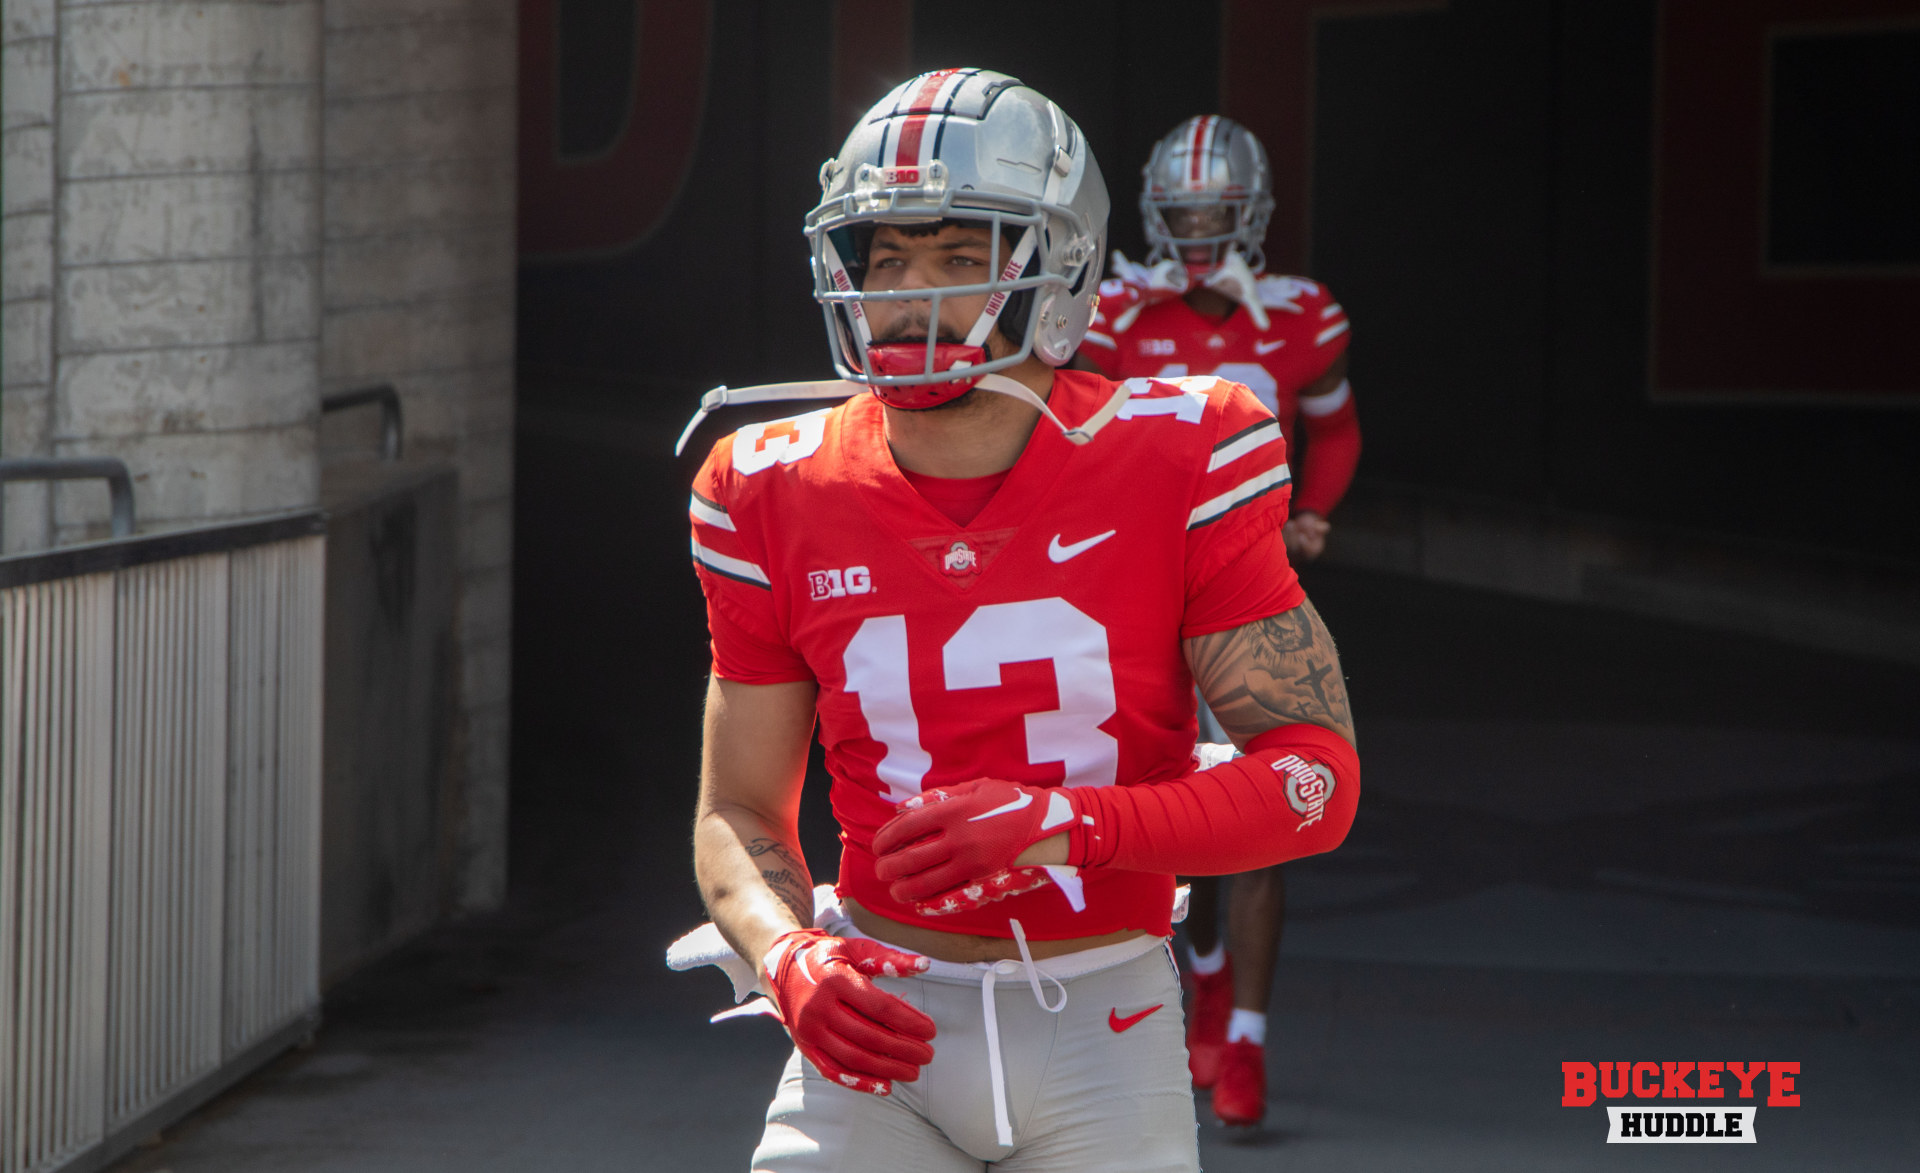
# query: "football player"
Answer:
x=992 y=586
x=1202 y=304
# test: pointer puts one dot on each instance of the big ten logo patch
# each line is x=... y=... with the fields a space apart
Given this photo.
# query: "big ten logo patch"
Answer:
x=838 y=584
x=1583 y=1084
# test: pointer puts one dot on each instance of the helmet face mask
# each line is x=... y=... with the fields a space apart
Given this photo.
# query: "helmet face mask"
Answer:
x=1208 y=168
x=961 y=146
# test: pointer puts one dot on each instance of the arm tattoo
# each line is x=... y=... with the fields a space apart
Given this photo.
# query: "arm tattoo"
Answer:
x=786 y=873
x=1277 y=671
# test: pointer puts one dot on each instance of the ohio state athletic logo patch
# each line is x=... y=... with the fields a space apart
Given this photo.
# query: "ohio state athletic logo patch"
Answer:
x=1308 y=787
x=960 y=559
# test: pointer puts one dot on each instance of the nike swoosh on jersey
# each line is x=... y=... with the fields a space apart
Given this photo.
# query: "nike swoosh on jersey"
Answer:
x=1269 y=347
x=1060 y=553
x=1025 y=799
x=1119 y=1024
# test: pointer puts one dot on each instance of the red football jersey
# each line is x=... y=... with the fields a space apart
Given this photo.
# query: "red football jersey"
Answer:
x=1041 y=643
x=1306 y=331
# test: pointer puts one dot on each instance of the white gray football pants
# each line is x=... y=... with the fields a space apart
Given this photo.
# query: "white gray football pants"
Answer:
x=1074 y=1092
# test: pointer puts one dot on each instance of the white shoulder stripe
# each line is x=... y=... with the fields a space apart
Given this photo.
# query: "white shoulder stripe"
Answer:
x=1099 y=339
x=1330 y=311
x=1259 y=437
x=731 y=567
x=1315 y=406
x=712 y=515
x=1240 y=494
x=1331 y=332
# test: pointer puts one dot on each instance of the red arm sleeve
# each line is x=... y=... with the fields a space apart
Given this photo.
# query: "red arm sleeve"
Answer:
x=1294 y=794
x=748 y=639
x=1333 y=450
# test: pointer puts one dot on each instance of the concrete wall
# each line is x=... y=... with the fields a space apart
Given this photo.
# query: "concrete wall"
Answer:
x=163 y=278
x=27 y=55
x=392 y=566
x=419 y=292
x=214 y=208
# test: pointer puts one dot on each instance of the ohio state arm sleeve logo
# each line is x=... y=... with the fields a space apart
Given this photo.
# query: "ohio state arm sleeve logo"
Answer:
x=1308 y=787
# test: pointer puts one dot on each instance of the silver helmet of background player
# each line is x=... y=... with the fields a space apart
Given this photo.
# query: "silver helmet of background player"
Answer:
x=974 y=145
x=1204 y=162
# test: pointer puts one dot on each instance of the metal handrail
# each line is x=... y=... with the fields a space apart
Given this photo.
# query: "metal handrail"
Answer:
x=392 y=425
x=79 y=468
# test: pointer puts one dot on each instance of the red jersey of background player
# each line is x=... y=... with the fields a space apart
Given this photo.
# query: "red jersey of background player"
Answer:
x=1039 y=643
x=1306 y=331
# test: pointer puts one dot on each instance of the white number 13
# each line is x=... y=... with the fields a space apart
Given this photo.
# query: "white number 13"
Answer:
x=993 y=636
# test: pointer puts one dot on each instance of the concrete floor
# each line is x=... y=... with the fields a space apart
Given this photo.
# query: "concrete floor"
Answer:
x=1583 y=836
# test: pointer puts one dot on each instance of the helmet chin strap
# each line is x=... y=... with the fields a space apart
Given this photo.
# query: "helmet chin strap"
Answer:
x=983 y=325
x=837 y=270
x=1014 y=389
x=999 y=384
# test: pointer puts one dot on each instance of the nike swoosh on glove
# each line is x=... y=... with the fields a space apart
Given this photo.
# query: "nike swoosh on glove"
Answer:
x=1237 y=281
x=857 y=1034
x=953 y=847
x=1163 y=282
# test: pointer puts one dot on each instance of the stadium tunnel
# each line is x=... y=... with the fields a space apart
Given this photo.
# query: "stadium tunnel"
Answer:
x=1627 y=589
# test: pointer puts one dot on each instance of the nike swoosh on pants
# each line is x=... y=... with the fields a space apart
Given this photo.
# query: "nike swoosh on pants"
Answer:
x=1119 y=1024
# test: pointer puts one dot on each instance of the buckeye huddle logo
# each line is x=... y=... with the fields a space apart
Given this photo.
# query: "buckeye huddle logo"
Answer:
x=1671 y=1123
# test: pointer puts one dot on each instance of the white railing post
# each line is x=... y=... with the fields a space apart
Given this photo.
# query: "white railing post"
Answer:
x=160 y=710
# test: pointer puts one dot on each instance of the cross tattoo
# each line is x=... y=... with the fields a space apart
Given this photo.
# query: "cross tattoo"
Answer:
x=1315 y=679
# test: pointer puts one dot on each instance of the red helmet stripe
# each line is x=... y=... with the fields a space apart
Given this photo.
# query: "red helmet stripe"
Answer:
x=1197 y=151
x=906 y=151
x=927 y=96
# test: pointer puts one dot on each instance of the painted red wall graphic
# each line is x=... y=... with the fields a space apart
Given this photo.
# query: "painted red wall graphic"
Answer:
x=580 y=208
x=1725 y=323
x=617 y=197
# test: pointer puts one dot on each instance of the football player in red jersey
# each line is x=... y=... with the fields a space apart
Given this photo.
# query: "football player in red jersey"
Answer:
x=1201 y=304
x=996 y=625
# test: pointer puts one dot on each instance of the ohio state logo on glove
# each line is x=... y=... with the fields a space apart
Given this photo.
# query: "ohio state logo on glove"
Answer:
x=956 y=848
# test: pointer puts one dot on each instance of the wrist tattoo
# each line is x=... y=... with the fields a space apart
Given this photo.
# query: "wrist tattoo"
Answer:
x=786 y=874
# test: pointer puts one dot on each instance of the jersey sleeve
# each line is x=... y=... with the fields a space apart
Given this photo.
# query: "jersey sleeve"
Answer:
x=1319 y=317
x=730 y=559
x=1237 y=569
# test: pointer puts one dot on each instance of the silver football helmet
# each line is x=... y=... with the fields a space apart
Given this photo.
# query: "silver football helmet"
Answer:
x=1208 y=162
x=962 y=144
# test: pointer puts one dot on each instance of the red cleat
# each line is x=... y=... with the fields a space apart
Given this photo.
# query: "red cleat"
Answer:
x=1240 y=1095
x=1207 y=1016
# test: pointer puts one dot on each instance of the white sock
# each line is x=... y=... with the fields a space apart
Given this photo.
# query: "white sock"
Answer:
x=1210 y=962
x=1247 y=1026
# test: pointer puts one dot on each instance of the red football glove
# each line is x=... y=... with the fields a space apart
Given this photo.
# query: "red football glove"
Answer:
x=856 y=1033
x=954 y=847
x=1145 y=287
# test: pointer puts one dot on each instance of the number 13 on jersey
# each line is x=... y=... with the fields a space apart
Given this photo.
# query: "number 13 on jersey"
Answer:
x=995 y=635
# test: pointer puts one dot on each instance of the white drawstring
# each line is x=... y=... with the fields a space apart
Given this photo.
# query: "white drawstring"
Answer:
x=1033 y=973
x=996 y=1067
